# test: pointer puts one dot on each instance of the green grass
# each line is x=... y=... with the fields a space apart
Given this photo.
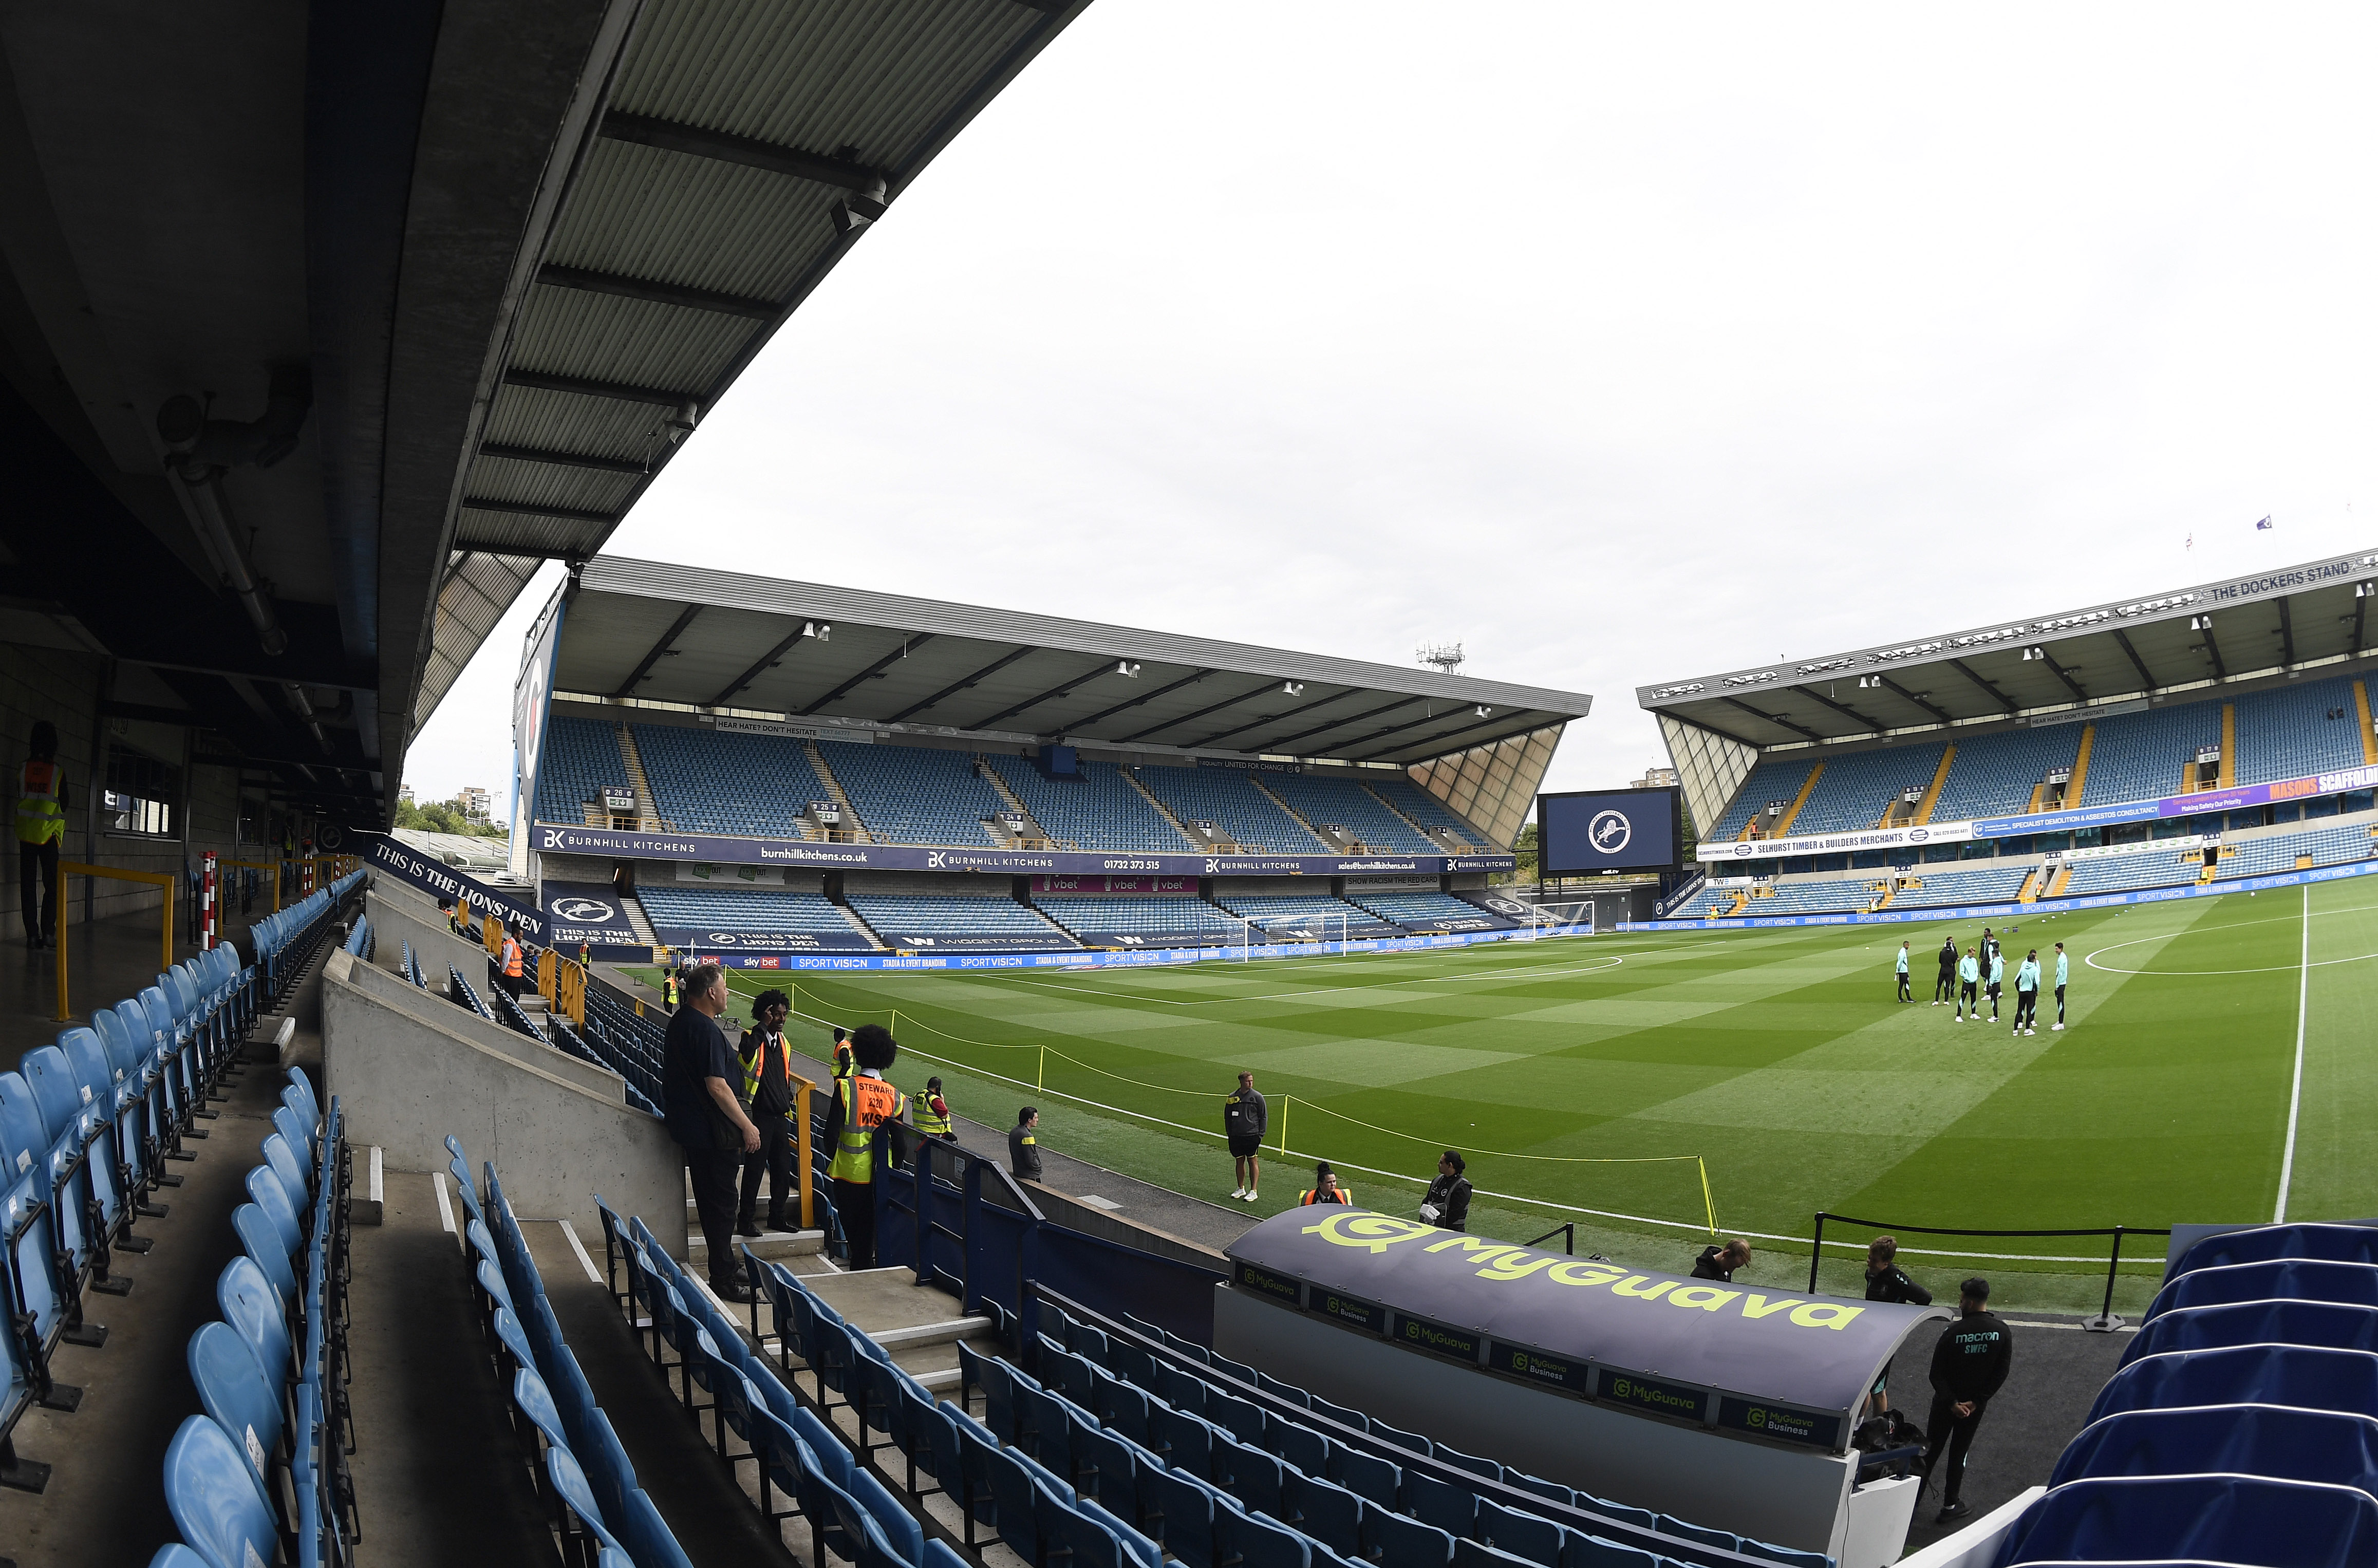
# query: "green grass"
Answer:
x=1776 y=1059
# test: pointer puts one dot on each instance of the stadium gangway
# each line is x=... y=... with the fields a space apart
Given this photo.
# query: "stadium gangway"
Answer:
x=986 y=1237
x=164 y=879
x=2106 y=1321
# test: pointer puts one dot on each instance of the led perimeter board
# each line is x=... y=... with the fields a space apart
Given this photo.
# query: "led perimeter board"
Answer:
x=1587 y=832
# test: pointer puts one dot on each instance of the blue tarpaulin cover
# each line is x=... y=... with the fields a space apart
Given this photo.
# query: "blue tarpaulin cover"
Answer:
x=2303 y=1376
x=2218 y=1518
x=2302 y=1278
x=2280 y=1322
x=2345 y=1244
x=2258 y=1440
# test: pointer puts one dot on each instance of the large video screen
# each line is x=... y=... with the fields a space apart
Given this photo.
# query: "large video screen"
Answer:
x=1592 y=831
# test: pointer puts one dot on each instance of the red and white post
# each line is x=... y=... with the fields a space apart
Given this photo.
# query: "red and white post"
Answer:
x=208 y=916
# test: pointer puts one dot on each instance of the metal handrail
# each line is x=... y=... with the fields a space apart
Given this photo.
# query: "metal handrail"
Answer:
x=2104 y=1322
x=1567 y=1233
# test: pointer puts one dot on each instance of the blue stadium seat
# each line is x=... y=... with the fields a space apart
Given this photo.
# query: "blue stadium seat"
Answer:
x=2345 y=1244
x=2305 y=1377
x=233 y=1389
x=2314 y=1280
x=1329 y=799
x=2269 y=1322
x=1098 y=810
x=217 y=1503
x=2250 y=1440
x=1231 y=800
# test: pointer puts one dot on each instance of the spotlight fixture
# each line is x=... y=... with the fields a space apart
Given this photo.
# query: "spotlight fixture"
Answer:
x=1483 y=710
x=1869 y=682
x=1292 y=688
x=2031 y=654
x=2199 y=623
x=1125 y=668
x=2364 y=590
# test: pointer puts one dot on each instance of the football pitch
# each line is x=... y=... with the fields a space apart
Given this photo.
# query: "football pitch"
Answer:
x=1598 y=1081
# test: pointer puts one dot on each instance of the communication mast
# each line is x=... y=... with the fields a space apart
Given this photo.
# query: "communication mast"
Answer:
x=1446 y=656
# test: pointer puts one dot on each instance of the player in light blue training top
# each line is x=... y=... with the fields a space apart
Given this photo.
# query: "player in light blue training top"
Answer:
x=1998 y=980
x=2061 y=961
x=1968 y=974
x=1904 y=994
x=2026 y=995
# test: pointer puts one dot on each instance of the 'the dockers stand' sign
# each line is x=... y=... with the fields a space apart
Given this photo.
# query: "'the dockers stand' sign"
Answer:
x=1790 y=1368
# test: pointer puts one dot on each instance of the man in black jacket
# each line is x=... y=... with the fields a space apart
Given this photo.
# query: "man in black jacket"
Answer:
x=1719 y=1262
x=1969 y=1365
x=1886 y=1281
x=768 y=1097
x=1944 y=990
x=1024 y=1145
x=1448 y=1204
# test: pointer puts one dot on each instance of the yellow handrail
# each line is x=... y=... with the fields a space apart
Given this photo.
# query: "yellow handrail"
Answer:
x=164 y=879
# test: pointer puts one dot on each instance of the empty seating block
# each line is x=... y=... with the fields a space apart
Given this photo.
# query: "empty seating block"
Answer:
x=1151 y=917
x=682 y=908
x=1230 y=799
x=914 y=794
x=2143 y=756
x=2279 y=852
x=1325 y=799
x=753 y=786
x=1427 y=912
x=1779 y=780
x=2290 y=734
x=901 y=916
x=1994 y=885
x=1856 y=789
x=1829 y=895
x=1417 y=803
x=1994 y=775
x=1097 y=811
x=581 y=756
x=2119 y=873
x=1321 y=918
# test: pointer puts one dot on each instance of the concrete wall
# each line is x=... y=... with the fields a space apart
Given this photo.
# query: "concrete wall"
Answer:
x=399 y=915
x=405 y=1084
x=435 y=1009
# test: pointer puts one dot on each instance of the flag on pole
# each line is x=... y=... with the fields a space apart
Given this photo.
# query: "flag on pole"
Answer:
x=2265 y=522
x=2191 y=542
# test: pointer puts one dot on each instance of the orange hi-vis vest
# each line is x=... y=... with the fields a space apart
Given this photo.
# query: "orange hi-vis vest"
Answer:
x=1313 y=1195
x=512 y=959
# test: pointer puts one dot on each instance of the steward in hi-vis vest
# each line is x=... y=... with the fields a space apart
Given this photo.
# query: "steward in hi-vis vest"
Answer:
x=40 y=823
x=930 y=1113
x=768 y=1095
x=1324 y=1188
x=512 y=964
x=843 y=1065
x=862 y=1102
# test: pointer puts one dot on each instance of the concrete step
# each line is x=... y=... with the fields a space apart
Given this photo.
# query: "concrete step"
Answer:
x=918 y=1336
x=774 y=1244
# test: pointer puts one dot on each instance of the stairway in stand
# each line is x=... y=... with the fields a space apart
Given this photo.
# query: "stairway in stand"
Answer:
x=1294 y=814
x=1130 y=777
x=858 y=834
x=648 y=811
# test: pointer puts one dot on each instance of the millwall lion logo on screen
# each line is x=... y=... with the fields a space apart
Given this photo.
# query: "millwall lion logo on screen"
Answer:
x=583 y=912
x=1609 y=832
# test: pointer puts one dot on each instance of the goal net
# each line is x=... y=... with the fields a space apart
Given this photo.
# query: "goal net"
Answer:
x=1560 y=920
x=1307 y=928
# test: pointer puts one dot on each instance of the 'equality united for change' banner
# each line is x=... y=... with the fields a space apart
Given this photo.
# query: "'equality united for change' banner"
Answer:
x=1787 y=1367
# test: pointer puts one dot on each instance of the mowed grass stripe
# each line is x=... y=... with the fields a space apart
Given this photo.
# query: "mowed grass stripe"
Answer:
x=1778 y=1054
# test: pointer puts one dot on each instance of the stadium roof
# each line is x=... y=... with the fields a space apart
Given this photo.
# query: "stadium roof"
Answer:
x=2260 y=626
x=718 y=641
x=320 y=328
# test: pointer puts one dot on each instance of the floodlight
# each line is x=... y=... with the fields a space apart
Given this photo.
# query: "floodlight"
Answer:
x=1292 y=688
x=1125 y=667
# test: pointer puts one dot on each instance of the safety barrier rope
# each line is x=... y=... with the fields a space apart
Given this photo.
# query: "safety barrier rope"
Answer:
x=1039 y=1086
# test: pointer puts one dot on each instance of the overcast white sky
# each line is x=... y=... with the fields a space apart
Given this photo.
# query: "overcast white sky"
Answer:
x=1621 y=346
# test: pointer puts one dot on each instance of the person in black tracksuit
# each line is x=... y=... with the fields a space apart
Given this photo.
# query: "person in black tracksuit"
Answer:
x=1886 y=1281
x=1944 y=990
x=1969 y=1365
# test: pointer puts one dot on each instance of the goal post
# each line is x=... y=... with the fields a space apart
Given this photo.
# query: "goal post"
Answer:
x=1560 y=920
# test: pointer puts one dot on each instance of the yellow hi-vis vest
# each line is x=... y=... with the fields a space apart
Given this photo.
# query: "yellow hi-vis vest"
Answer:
x=40 y=814
x=866 y=1103
x=928 y=1119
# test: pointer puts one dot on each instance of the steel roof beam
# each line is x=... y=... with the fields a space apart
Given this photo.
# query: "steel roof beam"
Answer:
x=1084 y=679
x=2064 y=675
x=967 y=683
x=1502 y=725
x=684 y=618
x=2214 y=649
x=1349 y=718
x=1421 y=722
x=1200 y=713
x=907 y=644
x=1167 y=689
x=2361 y=615
x=1889 y=684
x=694 y=141
x=2286 y=635
x=1776 y=720
x=1871 y=727
x=1314 y=706
x=765 y=662
x=1961 y=667
x=530 y=509
x=645 y=289
x=2147 y=676
x=584 y=386
x=563 y=459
